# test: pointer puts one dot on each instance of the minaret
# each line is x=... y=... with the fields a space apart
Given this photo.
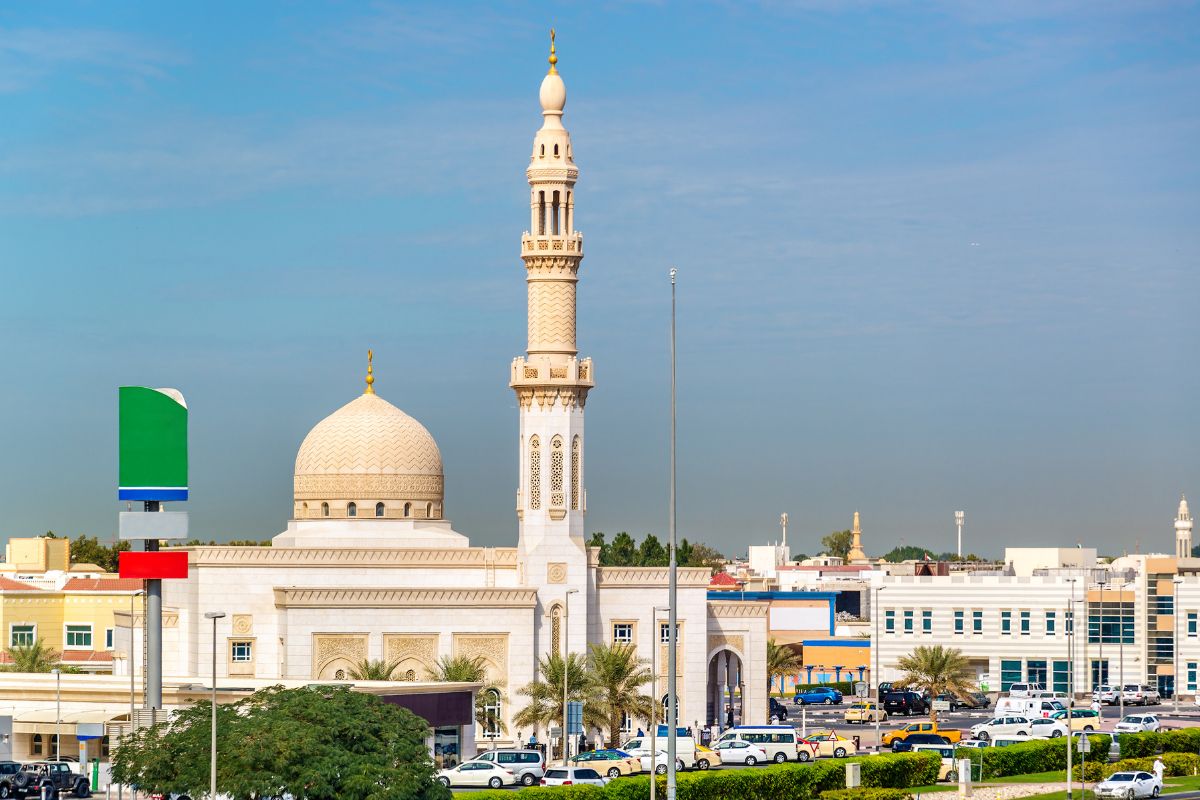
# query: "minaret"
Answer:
x=856 y=554
x=551 y=381
x=1183 y=530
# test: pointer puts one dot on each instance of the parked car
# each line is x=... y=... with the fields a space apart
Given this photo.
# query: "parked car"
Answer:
x=949 y=735
x=1106 y=694
x=906 y=744
x=56 y=774
x=777 y=710
x=1137 y=723
x=884 y=688
x=819 y=694
x=8 y=769
x=738 y=751
x=1043 y=728
x=528 y=765
x=477 y=773
x=977 y=700
x=573 y=776
x=863 y=712
x=906 y=703
x=1082 y=719
x=612 y=763
x=949 y=768
x=659 y=762
x=706 y=758
x=1140 y=695
x=830 y=744
x=1000 y=726
x=1025 y=689
x=954 y=700
x=974 y=743
x=1129 y=785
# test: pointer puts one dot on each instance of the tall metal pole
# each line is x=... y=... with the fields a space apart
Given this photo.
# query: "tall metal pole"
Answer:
x=1101 y=670
x=1070 y=682
x=876 y=700
x=672 y=700
x=153 y=613
x=1121 y=667
x=566 y=654
x=57 y=710
x=132 y=670
x=212 y=771
x=655 y=640
x=958 y=521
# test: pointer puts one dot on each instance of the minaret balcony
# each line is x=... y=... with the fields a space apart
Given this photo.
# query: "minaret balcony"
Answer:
x=570 y=244
x=574 y=372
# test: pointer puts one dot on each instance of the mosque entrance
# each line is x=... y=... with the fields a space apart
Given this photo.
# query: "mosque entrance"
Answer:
x=726 y=689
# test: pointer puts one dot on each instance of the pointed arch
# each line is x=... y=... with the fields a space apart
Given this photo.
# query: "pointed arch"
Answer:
x=576 y=454
x=556 y=472
x=535 y=472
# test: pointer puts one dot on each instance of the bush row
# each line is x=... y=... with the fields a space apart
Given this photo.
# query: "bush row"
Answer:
x=1039 y=755
x=798 y=781
x=866 y=794
x=1137 y=745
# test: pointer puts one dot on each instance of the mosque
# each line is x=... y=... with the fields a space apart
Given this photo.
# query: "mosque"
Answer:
x=370 y=566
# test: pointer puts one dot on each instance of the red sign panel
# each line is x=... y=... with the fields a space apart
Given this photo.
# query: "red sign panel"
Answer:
x=153 y=566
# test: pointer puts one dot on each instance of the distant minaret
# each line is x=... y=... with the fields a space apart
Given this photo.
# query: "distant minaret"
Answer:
x=1183 y=530
x=856 y=553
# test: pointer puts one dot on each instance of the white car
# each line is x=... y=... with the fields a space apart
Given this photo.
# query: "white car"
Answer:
x=737 y=751
x=973 y=743
x=1047 y=728
x=1001 y=726
x=477 y=773
x=660 y=762
x=1129 y=785
x=1106 y=694
x=1136 y=723
x=573 y=776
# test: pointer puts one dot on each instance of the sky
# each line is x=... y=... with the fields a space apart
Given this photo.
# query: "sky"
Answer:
x=932 y=256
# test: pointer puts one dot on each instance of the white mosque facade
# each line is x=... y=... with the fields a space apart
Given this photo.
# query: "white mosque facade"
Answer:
x=370 y=567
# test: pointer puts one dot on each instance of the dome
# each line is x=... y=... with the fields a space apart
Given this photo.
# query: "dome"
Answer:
x=369 y=459
x=553 y=94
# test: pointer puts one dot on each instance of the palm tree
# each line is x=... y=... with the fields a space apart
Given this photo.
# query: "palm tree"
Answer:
x=617 y=677
x=782 y=660
x=545 y=694
x=367 y=670
x=937 y=670
x=466 y=669
x=36 y=657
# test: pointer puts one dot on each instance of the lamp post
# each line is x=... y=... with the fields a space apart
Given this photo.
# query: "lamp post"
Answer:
x=655 y=641
x=875 y=672
x=57 y=709
x=1175 y=646
x=1121 y=641
x=672 y=569
x=1102 y=669
x=1070 y=680
x=212 y=771
x=566 y=653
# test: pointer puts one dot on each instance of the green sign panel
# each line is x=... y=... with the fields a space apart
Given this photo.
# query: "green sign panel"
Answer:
x=153 y=444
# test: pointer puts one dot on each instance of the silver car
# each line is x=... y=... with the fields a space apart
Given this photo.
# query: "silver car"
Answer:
x=1129 y=785
x=528 y=765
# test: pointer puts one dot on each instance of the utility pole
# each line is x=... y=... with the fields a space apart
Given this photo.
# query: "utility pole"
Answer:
x=672 y=568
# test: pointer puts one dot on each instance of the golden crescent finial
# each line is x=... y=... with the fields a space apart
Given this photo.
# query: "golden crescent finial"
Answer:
x=370 y=372
x=553 y=57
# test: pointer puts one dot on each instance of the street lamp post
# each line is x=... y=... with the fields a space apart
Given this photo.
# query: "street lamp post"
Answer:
x=1102 y=669
x=958 y=521
x=875 y=672
x=566 y=653
x=655 y=641
x=672 y=569
x=1070 y=680
x=57 y=709
x=212 y=772
x=1121 y=641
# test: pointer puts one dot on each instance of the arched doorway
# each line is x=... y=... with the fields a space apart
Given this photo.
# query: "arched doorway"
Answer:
x=726 y=689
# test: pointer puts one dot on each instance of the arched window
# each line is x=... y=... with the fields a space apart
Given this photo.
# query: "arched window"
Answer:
x=576 y=452
x=492 y=720
x=556 y=472
x=324 y=509
x=304 y=509
x=554 y=206
x=535 y=472
x=379 y=509
x=429 y=511
x=555 y=628
x=352 y=510
x=567 y=215
x=36 y=747
x=556 y=151
x=411 y=675
x=541 y=213
x=543 y=151
x=408 y=509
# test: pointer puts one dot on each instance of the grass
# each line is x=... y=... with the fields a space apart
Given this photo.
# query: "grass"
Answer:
x=1187 y=783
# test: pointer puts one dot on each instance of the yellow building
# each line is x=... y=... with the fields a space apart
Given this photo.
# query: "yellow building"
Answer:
x=69 y=607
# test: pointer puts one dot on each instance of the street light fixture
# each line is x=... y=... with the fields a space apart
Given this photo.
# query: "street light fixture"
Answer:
x=57 y=709
x=672 y=581
x=566 y=653
x=212 y=774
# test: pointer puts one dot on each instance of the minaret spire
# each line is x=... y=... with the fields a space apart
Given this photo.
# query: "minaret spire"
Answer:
x=856 y=554
x=1183 y=530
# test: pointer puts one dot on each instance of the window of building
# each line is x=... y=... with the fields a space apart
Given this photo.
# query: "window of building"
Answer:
x=958 y=621
x=352 y=510
x=23 y=635
x=324 y=509
x=108 y=638
x=622 y=633
x=626 y=723
x=1099 y=672
x=1191 y=676
x=408 y=509
x=664 y=633
x=889 y=621
x=908 y=620
x=1025 y=624
x=1050 y=622
x=926 y=621
x=556 y=472
x=1006 y=624
x=976 y=621
x=37 y=744
x=493 y=722
x=429 y=511
x=241 y=652
x=1010 y=673
x=79 y=636
x=535 y=472
x=1035 y=671
x=1191 y=624
x=380 y=509
x=1061 y=676
x=576 y=456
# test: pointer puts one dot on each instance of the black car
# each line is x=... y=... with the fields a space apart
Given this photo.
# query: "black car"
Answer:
x=906 y=744
x=906 y=703
x=777 y=710
x=8 y=769
x=884 y=689
x=56 y=774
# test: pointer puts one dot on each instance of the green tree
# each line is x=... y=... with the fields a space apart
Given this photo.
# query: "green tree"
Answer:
x=907 y=552
x=782 y=660
x=617 y=676
x=464 y=669
x=545 y=694
x=838 y=543
x=683 y=553
x=36 y=657
x=623 y=552
x=702 y=555
x=89 y=550
x=597 y=540
x=937 y=670
x=651 y=552
x=368 y=670
x=318 y=743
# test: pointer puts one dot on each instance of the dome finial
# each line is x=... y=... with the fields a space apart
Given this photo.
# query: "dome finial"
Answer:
x=553 y=58
x=370 y=373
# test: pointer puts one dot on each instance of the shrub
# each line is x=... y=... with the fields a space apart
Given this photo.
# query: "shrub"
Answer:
x=1137 y=745
x=865 y=794
x=1174 y=765
x=1038 y=755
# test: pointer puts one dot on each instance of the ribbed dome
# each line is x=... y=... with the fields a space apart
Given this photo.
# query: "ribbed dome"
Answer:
x=369 y=452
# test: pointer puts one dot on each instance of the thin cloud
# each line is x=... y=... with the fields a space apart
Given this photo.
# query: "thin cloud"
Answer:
x=29 y=56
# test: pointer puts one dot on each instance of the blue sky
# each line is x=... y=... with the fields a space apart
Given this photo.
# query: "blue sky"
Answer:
x=932 y=256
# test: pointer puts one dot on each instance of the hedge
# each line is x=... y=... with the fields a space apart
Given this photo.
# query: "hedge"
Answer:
x=1136 y=745
x=1037 y=755
x=866 y=794
x=1174 y=765
x=800 y=781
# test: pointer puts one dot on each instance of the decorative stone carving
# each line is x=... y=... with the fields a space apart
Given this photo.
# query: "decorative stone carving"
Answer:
x=732 y=641
x=492 y=648
x=556 y=572
x=416 y=652
x=422 y=558
x=737 y=610
x=493 y=597
x=650 y=577
x=340 y=649
x=243 y=624
x=384 y=487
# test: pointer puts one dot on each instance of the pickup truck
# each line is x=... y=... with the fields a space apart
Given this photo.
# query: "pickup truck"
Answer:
x=950 y=734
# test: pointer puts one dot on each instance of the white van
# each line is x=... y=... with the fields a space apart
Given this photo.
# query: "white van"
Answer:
x=1027 y=707
x=777 y=741
x=685 y=746
x=1025 y=689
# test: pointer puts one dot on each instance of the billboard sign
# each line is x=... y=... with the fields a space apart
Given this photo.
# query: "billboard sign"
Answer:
x=153 y=444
